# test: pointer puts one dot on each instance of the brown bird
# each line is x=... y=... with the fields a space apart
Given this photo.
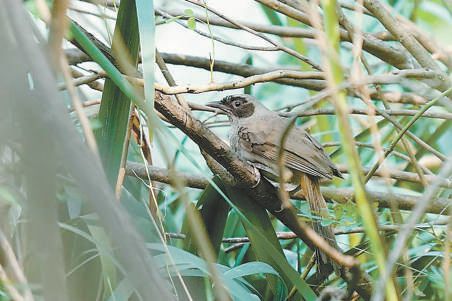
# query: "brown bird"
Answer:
x=255 y=135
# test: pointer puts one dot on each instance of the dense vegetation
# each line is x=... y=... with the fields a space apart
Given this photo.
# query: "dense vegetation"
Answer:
x=116 y=182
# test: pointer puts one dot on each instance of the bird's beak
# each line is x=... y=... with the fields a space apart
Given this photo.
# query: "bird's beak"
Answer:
x=218 y=105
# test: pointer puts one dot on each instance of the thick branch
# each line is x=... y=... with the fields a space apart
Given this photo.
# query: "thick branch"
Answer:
x=261 y=191
x=340 y=195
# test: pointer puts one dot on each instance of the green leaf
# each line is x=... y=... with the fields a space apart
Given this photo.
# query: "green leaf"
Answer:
x=109 y=273
x=188 y=12
x=265 y=244
x=251 y=268
x=184 y=263
x=191 y=23
x=122 y=292
x=95 y=124
x=214 y=213
x=146 y=28
x=272 y=15
x=115 y=106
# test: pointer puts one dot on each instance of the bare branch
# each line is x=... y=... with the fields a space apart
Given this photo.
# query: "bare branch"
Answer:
x=406 y=39
x=359 y=111
x=76 y=56
x=407 y=230
x=340 y=195
x=388 y=78
x=258 y=34
x=282 y=31
x=291 y=235
x=392 y=55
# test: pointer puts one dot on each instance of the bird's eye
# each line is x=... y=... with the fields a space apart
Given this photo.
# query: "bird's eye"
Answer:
x=237 y=104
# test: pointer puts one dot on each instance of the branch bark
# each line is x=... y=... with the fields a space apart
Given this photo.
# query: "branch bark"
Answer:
x=258 y=188
x=339 y=195
x=390 y=54
x=76 y=56
x=403 y=35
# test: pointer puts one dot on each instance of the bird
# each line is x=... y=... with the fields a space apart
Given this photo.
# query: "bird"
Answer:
x=255 y=136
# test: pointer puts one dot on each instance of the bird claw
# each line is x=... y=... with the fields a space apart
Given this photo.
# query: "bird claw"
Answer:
x=280 y=209
x=257 y=174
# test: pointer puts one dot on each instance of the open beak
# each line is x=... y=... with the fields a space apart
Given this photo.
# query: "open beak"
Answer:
x=218 y=105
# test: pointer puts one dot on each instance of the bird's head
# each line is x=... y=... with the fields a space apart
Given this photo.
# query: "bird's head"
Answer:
x=237 y=106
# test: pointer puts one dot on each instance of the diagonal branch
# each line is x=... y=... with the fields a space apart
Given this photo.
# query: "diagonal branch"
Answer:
x=258 y=34
x=406 y=39
x=260 y=190
x=392 y=55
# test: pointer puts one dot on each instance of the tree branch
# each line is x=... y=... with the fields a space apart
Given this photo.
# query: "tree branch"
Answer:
x=392 y=55
x=76 y=56
x=340 y=195
x=403 y=35
x=259 y=189
x=388 y=78
x=280 y=46
x=282 y=31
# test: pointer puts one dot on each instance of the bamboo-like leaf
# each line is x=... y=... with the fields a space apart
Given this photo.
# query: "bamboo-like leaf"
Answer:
x=265 y=244
x=115 y=106
x=28 y=92
x=214 y=213
x=146 y=28
x=272 y=16
x=255 y=218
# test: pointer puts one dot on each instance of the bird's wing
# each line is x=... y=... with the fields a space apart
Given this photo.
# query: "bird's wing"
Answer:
x=302 y=145
x=302 y=152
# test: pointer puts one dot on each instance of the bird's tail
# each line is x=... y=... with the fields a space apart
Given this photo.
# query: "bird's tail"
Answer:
x=311 y=189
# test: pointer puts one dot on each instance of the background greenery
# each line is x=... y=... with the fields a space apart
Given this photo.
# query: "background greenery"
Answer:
x=80 y=218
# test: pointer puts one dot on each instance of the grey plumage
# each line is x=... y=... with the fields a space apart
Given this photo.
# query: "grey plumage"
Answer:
x=255 y=136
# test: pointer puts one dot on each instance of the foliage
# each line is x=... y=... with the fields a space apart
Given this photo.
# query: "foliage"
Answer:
x=81 y=223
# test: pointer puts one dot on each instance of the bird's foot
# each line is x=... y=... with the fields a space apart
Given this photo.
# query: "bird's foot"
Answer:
x=256 y=173
x=295 y=189
x=280 y=209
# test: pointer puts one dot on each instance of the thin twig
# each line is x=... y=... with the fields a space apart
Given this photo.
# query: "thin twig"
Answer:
x=392 y=55
x=282 y=31
x=403 y=35
x=258 y=34
x=359 y=111
x=76 y=56
x=407 y=230
x=81 y=79
x=77 y=105
x=340 y=195
x=389 y=78
x=169 y=78
x=14 y=266
x=291 y=235
x=217 y=38
x=405 y=129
